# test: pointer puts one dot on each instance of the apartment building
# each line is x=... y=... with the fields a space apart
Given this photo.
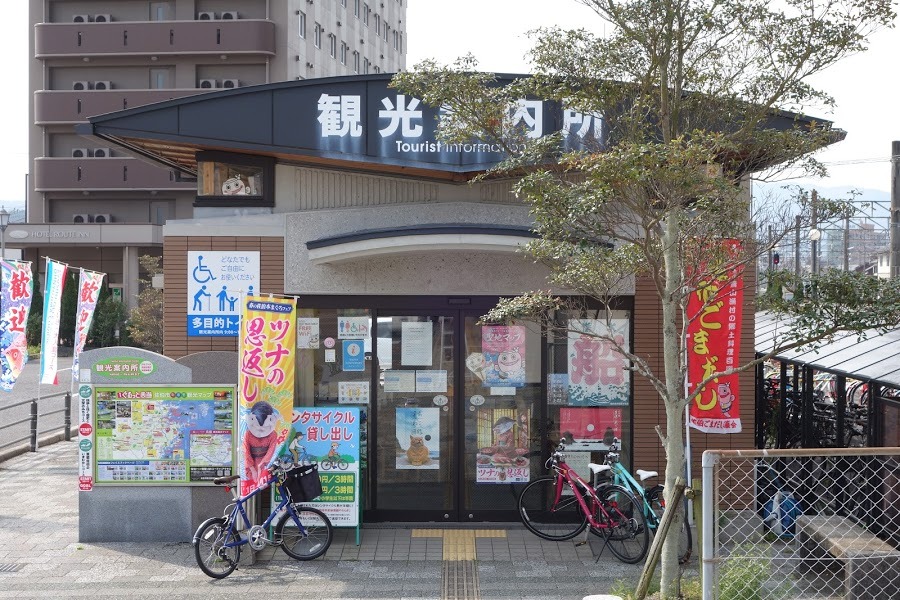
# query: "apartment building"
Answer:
x=101 y=208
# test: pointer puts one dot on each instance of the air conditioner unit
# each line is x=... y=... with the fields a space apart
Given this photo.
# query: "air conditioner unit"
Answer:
x=81 y=85
x=208 y=84
x=231 y=83
x=102 y=18
x=102 y=153
x=81 y=19
x=105 y=218
x=102 y=85
x=81 y=219
x=207 y=16
x=80 y=153
x=231 y=14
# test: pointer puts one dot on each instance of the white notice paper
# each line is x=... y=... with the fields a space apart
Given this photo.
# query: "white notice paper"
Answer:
x=431 y=381
x=307 y=333
x=415 y=344
x=399 y=381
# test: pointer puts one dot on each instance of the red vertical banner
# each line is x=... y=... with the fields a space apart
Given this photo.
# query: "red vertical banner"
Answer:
x=714 y=336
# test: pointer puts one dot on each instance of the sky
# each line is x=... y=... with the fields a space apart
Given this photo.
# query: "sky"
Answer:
x=495 y=31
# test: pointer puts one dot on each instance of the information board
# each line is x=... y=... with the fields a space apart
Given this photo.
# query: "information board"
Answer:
x=163 y=434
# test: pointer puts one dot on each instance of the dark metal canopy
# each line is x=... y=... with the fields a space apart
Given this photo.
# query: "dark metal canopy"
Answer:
x=358 y=123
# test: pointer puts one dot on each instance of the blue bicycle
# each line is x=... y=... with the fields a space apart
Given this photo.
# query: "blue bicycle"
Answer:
x=303 y=532
x=651 y=500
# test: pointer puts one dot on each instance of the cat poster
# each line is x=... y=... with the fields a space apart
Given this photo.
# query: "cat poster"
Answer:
x=418 y=438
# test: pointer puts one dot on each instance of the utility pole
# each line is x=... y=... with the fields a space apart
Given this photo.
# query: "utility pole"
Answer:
x=814 y=233
x=770 y=248
x=797 y=223
x=895 y=210
x=846 y=244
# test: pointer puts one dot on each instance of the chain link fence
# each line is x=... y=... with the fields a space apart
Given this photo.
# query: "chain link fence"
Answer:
x=810 y=524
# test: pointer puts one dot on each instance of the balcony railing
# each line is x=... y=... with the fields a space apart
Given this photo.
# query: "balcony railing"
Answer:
x=154 y=38
x=105 y=174
x=68 y=106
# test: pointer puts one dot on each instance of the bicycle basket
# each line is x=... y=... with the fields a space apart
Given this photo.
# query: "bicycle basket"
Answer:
x=302 y=484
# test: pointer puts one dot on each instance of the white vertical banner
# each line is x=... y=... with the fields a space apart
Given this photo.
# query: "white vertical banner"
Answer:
x=89 y=283
x=53 y=289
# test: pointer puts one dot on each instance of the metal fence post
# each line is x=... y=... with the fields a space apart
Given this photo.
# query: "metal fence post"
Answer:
x=707 y=567
x=34 y=425
x=67 y=416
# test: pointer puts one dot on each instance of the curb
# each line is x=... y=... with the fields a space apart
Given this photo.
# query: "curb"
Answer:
x=25 y=448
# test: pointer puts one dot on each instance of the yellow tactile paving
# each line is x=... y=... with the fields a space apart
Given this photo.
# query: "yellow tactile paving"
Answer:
x=459 y=544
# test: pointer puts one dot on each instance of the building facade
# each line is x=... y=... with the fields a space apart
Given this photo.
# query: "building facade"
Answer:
x=98 y=207
x=370 y=223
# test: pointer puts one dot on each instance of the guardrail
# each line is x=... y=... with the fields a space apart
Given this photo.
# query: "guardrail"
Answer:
x=34 y=417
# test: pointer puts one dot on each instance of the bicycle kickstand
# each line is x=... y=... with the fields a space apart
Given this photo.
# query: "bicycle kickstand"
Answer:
x=599 y=554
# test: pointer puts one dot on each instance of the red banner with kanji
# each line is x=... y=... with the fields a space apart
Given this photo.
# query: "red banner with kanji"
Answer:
x=714 y=335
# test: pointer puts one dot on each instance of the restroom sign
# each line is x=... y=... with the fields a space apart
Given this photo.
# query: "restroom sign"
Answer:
x=216 y=283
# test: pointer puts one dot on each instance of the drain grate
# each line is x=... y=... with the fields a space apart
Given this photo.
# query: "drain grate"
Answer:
x=9 y=567
x=459 y=580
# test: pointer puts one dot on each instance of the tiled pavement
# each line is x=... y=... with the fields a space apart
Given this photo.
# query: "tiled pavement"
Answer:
x=40 y=556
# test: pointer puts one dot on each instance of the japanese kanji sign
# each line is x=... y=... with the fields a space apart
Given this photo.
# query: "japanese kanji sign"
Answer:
x=598 y=374
x=88 y=290
x=267 y=349
x=18 y=288
x=216 y=282
x=714 y=334
x=503 y=349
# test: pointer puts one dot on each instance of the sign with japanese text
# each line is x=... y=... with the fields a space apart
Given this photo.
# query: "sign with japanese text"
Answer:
x=53 y=290
x=714 y=333
x=18 y=290
x=89 y=284
x=590 y=428
x=369 y=119
x=598 y=374
x=267 y=349
x=124 y=368
x=153 y=434
x=216 y=283
x=502 y=437
x=85 y=420
x=503 y=351
x=307 y=333
x=330 y=438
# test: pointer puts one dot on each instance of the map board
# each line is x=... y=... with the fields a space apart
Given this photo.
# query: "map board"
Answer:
x=161 y=434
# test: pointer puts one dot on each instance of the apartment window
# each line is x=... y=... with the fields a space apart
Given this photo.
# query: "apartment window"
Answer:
x=366 y=64
x=332 y=45
x=343 y=53
x=160 y=78
x=396 y=40
x=355 y=61
x=356 y=8
x=377 y=24
x=401 y=42
x=344 y=3
x=301 y=26
x=385 y=31
x=160 y=11
x=366 y=14
x=377 y=69
x=317 y=38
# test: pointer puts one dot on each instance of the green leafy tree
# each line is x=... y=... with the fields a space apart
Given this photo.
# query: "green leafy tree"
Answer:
x=108 y=326
x=694 y=96
x=35 y=317
x=146 y=323
x=68 y=308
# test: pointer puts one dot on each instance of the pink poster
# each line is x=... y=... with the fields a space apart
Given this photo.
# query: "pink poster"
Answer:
x=590 y=428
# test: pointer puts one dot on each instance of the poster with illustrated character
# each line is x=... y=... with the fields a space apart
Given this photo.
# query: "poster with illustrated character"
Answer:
x=329 y=438
x=265 y=385
x=418 y=438
x=598 y=374
x=502 y=436
x=503 y=352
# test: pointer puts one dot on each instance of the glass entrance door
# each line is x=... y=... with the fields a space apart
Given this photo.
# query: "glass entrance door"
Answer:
x=455 y=416
x=415 y=477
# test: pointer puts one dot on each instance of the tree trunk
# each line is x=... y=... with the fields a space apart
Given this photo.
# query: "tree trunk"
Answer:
x=674 y=378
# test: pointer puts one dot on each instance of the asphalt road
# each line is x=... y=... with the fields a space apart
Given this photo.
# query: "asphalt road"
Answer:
x=16 y=405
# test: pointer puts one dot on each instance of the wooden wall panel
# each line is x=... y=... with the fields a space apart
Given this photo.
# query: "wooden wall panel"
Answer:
x=176 y=343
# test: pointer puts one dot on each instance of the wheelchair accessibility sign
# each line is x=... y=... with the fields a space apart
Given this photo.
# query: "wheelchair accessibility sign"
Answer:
x=217 y=281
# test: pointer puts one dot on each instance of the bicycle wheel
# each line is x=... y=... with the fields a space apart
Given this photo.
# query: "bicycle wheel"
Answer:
x=558 y=521
x=212 y=556
x=623 y=525
x=685 y=541
x=314 y=543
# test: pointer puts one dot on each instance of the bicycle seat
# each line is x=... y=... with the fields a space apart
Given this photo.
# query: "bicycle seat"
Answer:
x=642 y=474
x=597 y=469
x=226 y=480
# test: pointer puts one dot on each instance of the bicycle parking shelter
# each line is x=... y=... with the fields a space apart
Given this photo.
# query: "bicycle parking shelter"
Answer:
x=393 y=258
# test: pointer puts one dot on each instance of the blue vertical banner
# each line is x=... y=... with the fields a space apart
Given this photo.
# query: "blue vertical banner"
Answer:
x=53 y=289
x=215 y=285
